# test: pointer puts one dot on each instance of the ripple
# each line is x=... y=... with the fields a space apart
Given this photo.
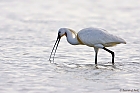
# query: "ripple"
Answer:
x=28 y=34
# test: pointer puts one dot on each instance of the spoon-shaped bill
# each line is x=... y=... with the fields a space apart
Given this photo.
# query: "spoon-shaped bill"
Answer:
x=54 y=48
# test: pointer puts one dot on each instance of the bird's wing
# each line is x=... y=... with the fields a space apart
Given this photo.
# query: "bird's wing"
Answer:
x=93 y=36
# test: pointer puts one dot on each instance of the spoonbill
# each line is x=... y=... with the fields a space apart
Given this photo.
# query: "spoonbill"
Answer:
x=92 y=37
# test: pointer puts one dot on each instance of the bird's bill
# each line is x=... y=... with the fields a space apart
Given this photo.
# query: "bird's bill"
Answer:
x=55 y=47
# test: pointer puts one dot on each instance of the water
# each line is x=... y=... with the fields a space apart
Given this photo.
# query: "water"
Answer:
x=28 y=30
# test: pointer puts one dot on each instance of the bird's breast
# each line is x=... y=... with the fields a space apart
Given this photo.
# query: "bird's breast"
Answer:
x=79 y=40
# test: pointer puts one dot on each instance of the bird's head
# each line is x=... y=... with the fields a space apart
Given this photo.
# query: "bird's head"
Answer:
x=62 y=32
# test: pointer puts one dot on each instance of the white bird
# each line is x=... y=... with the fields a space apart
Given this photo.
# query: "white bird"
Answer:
x=92 y=37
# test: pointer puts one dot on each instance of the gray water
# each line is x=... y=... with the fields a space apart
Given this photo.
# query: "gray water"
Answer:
x=28 y=30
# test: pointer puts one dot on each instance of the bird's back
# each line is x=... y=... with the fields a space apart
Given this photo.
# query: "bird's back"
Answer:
x=93 y=36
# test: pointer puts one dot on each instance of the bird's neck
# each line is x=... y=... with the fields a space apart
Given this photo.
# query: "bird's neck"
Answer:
x=72 y=37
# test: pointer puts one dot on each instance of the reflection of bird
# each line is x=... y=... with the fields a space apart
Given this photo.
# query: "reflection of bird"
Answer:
x=92 y=37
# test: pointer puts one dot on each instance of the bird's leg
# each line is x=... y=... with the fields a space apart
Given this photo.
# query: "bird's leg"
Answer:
x=111 y=53
x=96 y=57
x=96 y=52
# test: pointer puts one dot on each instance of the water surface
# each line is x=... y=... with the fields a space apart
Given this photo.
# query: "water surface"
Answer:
x=28 y=31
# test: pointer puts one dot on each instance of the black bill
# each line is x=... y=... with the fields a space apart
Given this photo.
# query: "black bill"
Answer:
x=54 y=48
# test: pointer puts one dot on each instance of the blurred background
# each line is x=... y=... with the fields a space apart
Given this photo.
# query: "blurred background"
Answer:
x=28 y=30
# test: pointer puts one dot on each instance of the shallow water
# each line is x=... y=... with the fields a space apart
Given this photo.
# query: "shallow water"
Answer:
x=29 y=29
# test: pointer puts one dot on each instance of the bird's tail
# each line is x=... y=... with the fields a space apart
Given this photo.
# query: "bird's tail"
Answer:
x=123 y=41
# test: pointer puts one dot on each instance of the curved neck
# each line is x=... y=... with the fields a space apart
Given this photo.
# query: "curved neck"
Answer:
x=70 y=38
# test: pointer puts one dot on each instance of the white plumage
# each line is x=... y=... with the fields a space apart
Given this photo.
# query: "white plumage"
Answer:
x=93 y=37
